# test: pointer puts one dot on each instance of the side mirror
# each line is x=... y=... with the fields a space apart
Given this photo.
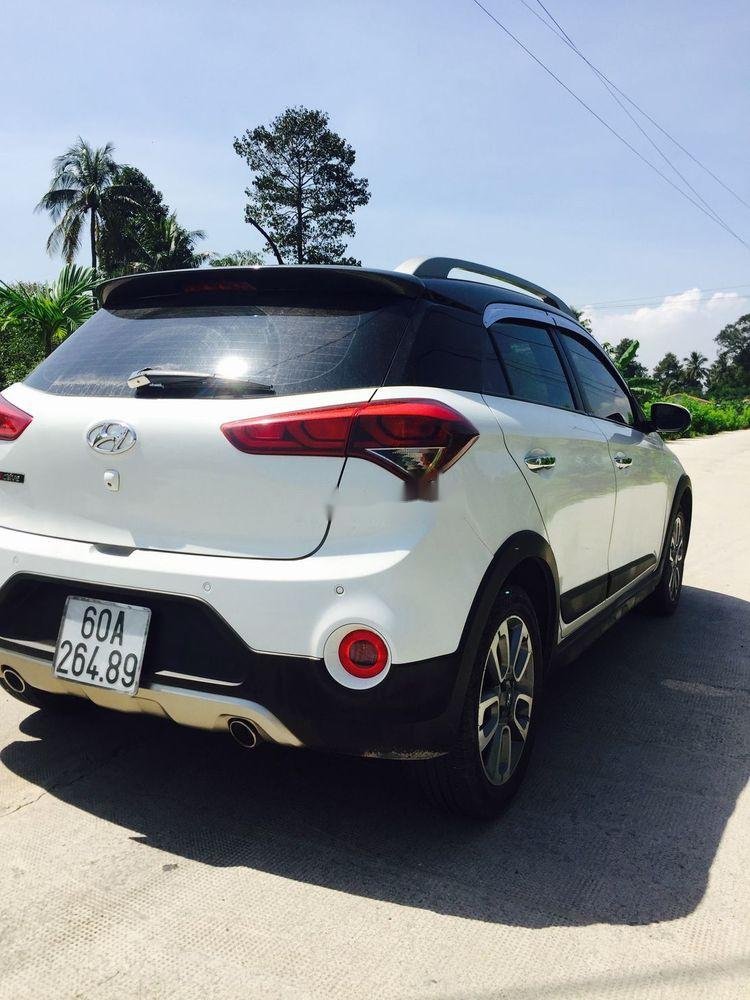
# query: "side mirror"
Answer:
x=670 y=418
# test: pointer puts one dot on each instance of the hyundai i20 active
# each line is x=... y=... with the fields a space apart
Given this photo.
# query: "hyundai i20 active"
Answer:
x=330 y=507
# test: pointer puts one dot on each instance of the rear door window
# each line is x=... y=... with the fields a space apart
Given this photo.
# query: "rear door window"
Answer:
x=603 y=395
x=532 y=365
x=298 y=347
x=450 y=349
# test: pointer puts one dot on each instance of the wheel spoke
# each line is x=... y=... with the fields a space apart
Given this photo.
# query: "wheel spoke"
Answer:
x=501 y=645
x=494 y=661
x=516 y=642
x=500 y=755
x=522 y=714
x=523 y=654
x=487 y=732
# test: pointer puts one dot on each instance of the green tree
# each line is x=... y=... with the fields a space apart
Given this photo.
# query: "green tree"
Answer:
x=668 y=374
x=583 y=319
x=238 y=258
x=694 y=371
x=729 y=376
x=81 y=178
x=164 y=245
x=624 y=355
x=121 y=233
x=644 y=388
x=303 y=192
x=19 y=353
x=48 y=314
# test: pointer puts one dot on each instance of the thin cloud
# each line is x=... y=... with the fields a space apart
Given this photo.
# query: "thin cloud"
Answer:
x=681 y=323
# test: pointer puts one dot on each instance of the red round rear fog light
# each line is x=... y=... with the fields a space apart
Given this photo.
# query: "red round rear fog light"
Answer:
x=363 y=653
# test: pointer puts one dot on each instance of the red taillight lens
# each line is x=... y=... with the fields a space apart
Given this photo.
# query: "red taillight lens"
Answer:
x=304 y=432
x=13 y=422
x=363 y=653
x=413 y=438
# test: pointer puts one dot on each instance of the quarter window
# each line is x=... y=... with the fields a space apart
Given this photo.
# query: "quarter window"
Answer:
x=602 y=393
x=532 y=364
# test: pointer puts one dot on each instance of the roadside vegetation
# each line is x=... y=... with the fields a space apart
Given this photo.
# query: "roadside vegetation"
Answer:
x=302 y=195
x=717 y=395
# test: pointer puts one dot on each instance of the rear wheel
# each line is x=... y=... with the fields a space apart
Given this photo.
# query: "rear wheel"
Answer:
x=666 y=597
x=483 y=771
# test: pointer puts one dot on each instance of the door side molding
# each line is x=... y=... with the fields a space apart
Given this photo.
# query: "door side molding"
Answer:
x=578 y=601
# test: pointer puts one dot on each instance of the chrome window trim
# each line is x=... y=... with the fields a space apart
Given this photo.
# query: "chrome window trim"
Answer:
x=570 y=324
x=505 y=310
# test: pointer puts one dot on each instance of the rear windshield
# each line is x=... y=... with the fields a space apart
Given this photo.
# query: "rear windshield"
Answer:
x=296 y=348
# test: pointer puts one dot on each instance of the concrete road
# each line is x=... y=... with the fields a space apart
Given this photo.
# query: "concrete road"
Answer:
x=141 y=861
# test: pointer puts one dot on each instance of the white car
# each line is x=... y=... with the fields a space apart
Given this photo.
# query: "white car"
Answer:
x=331 y=507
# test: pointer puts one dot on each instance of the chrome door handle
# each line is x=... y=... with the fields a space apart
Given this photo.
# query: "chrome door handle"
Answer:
x=622 y=461
x=538 y=460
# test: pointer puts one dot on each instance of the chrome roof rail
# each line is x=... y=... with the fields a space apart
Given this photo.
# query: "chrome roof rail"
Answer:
x=441 y=267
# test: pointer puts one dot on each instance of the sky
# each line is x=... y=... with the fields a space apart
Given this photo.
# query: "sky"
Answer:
x=471 y=149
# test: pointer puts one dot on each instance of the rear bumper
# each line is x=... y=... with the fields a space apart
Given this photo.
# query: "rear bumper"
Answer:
x=251 y=634
x=290 y=701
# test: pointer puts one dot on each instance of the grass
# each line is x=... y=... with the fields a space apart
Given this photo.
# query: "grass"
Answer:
x=710 y=417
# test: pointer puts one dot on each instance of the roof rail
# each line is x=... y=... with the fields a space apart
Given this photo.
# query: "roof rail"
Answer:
x=441 y=267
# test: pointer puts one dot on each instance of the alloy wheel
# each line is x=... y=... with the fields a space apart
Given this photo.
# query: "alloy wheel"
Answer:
x=676 y=557
x=506 y=700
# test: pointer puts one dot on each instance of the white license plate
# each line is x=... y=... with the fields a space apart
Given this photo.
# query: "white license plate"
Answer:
x=102 y=644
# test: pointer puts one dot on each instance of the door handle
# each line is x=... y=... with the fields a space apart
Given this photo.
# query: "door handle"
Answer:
x=622 y=461
x=538 y=460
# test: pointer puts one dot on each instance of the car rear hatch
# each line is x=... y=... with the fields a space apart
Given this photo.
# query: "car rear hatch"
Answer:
x=149 y=467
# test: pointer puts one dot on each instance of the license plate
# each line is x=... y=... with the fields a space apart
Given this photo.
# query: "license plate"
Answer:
x=102 y=644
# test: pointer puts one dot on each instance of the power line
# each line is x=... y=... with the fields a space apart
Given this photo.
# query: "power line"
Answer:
x=617 y=302
x=562 y=34
x=704 y=295
x=557 y=29
x=606 y=124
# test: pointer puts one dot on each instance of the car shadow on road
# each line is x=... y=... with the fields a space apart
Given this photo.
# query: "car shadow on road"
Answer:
x=641 y=755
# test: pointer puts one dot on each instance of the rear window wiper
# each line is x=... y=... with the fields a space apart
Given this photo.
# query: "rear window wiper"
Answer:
x=164 y=378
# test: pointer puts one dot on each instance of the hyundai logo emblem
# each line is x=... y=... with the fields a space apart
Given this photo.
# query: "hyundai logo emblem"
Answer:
x=111 y=437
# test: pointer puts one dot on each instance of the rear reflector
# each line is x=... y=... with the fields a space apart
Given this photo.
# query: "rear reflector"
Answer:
x=412 y=438
x=363 y=653
x=13 y=422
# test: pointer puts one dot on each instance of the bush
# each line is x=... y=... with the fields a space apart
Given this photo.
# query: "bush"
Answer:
x=710 y=417
x=20 y=352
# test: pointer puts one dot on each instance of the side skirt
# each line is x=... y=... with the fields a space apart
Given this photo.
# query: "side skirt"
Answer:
x=571 y=647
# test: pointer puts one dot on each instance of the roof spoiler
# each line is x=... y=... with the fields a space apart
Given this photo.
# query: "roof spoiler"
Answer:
x=441 y=267
x=163 y=287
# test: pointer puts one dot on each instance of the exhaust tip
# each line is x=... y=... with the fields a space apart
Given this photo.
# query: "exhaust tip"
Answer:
x=244 y=733
x=13 y=681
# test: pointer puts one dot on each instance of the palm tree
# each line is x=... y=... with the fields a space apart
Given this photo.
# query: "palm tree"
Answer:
x=695 y=369
x=51 y=312
x=166 y=246
x=80 y=178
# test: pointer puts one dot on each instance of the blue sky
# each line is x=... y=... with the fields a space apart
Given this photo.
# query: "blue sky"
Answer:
x=470 y=148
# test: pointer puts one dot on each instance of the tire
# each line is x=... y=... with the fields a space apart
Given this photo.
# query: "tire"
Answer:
x=665 y=598
x=483 y=771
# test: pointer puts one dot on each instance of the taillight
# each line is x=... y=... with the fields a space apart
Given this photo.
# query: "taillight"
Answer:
x=412 y=438
x=13 y=422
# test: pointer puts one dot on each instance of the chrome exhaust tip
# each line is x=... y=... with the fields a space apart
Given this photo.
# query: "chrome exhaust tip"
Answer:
x=244 y=733
x=13 y=681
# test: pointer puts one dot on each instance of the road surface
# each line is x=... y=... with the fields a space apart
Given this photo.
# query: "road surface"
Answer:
x=138 y=860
